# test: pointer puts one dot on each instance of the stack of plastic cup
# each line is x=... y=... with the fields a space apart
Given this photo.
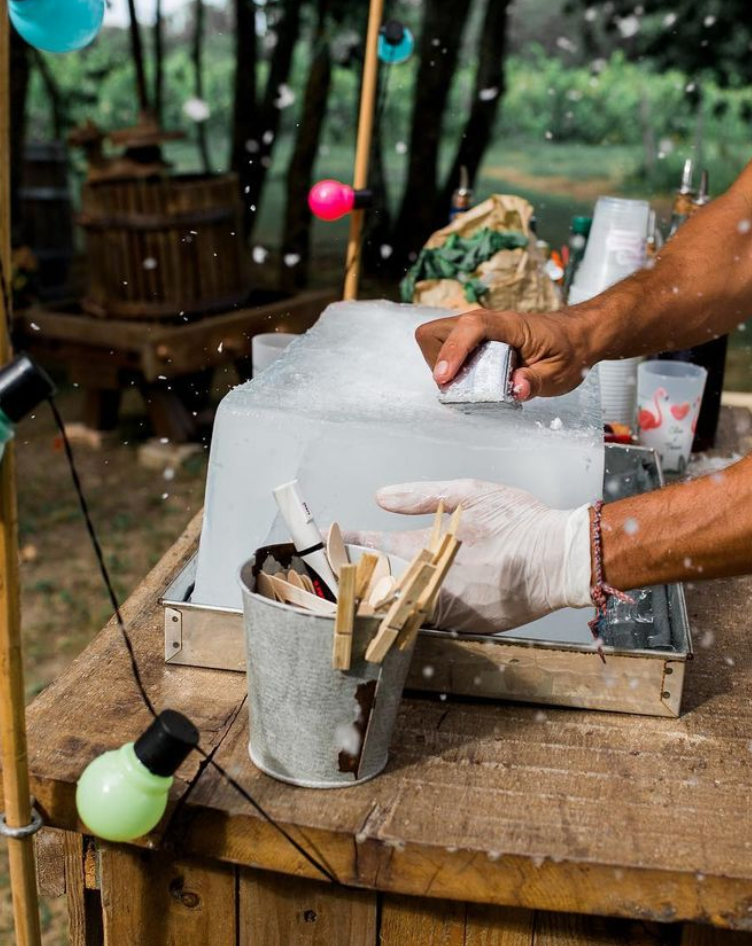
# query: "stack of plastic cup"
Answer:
x=266 y=348
x=615 y=250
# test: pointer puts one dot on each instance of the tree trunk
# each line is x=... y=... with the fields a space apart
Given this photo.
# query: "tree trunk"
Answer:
x=297 y=232
x=288 y=30
x=198 y=75
x=138 y=58
x=440 y=40
x=158 y=60
x=489 y=76
x=245 y=109
x=57 y=105
x=19 y=82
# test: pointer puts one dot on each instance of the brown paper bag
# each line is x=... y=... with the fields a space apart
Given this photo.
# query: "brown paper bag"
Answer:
x=515 y=278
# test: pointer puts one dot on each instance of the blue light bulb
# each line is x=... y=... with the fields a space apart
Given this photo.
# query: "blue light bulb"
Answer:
x=396 y=43
x=57 y=26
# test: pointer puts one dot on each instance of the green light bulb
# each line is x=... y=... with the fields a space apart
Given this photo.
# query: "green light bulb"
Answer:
x=123 y=793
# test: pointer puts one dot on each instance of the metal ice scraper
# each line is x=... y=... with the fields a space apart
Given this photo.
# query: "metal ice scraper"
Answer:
x=485 y=380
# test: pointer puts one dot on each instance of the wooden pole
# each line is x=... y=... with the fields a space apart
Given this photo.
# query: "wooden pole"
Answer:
x=363 y=148
x=16 y=794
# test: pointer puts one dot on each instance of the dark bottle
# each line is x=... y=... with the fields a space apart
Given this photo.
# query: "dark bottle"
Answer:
x=579 y=231
x=684 y=203
x=711 y=355
x=462 y=198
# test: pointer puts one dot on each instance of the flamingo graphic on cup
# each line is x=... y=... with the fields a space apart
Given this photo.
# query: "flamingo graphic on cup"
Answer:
x=669 y=395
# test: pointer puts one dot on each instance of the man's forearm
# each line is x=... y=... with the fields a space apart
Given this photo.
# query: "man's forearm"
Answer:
x=700 y=529
x=700 y=286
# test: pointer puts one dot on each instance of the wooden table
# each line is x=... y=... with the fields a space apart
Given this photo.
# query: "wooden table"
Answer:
x=170 y=364
x=493 y=825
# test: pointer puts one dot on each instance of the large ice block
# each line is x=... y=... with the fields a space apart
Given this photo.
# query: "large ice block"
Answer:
x=351 y=406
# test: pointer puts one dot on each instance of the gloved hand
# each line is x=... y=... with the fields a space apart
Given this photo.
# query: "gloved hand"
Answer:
x=519 y=559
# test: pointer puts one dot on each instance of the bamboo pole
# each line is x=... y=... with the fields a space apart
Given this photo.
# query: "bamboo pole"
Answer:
x=15 y=774
x=363 y=147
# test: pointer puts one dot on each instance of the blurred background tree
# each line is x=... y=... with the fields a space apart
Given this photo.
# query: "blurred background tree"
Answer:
x=555 y=99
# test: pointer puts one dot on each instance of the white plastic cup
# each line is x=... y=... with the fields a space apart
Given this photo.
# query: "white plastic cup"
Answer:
x=615 y=247
x=266 y=348
x=618 y=380
x=669 y=396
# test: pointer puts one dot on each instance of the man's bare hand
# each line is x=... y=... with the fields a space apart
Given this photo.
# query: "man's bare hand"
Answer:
x=553 y=349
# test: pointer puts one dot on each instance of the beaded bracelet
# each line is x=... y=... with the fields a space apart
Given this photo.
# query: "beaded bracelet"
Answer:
x=601 y=591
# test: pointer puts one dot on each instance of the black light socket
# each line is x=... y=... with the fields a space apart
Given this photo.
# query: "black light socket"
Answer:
x=23 y=386
x=166 y=743
x=393 y=32
x=363 y=199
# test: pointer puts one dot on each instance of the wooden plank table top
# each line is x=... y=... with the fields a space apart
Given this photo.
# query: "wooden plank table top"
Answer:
x=560 y=810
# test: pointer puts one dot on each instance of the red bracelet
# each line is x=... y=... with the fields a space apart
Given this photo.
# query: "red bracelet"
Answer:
x=601 y=592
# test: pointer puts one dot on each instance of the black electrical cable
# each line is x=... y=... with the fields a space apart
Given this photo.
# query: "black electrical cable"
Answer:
x=134 y=662
x=135 y=670
x=104 y=571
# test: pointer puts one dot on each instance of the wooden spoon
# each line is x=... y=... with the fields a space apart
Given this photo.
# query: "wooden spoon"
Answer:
x=265 y=586
x=294 y=578
x=335 y=549
x=383 y=591
x=291 y=594
x=381 y=570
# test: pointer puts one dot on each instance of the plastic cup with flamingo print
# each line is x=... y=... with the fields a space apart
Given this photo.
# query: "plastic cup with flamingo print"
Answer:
x=669 y=395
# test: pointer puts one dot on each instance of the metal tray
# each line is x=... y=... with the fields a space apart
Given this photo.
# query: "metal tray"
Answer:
x=647 y=681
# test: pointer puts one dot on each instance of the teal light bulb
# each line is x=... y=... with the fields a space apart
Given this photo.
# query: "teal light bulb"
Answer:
x=6 y=432
x=57 y=26
x=123 y=794
x=396 y=43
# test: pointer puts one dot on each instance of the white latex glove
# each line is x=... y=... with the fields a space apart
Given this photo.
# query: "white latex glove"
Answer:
x=519 y=559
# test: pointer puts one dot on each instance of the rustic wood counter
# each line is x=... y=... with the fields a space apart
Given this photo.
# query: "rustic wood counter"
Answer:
x=493 y=824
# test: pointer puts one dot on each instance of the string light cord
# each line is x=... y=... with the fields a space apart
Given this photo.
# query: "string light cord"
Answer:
x=314 y=862
x=135 y=669
x=136 y=672
x=99 y=554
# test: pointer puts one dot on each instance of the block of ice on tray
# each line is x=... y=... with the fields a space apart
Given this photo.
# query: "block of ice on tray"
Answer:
x=351 y=406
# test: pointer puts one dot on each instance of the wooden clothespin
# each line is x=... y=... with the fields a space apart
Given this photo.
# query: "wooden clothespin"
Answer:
x=438 y=523
x=454 y=522
x=366 y=567
x=344 y=621
x=427 y=601
x=400 y=612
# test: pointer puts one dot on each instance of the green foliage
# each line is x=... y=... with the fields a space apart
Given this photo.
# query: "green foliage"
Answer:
x=546 y=99
x=705 y=40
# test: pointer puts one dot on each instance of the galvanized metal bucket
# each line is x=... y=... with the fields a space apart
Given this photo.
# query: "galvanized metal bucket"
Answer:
x=311 y=725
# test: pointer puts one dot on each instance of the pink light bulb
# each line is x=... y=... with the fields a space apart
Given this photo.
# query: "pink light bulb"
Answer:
x=330 y=200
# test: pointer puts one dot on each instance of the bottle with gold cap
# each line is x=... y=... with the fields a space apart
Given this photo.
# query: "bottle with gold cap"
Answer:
x=684 y=203
x=462 y=198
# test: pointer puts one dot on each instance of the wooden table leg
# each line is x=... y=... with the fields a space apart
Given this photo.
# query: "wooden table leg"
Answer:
x=168 y=414
x=101 y=408
x=150 y=898
x=82 y=895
